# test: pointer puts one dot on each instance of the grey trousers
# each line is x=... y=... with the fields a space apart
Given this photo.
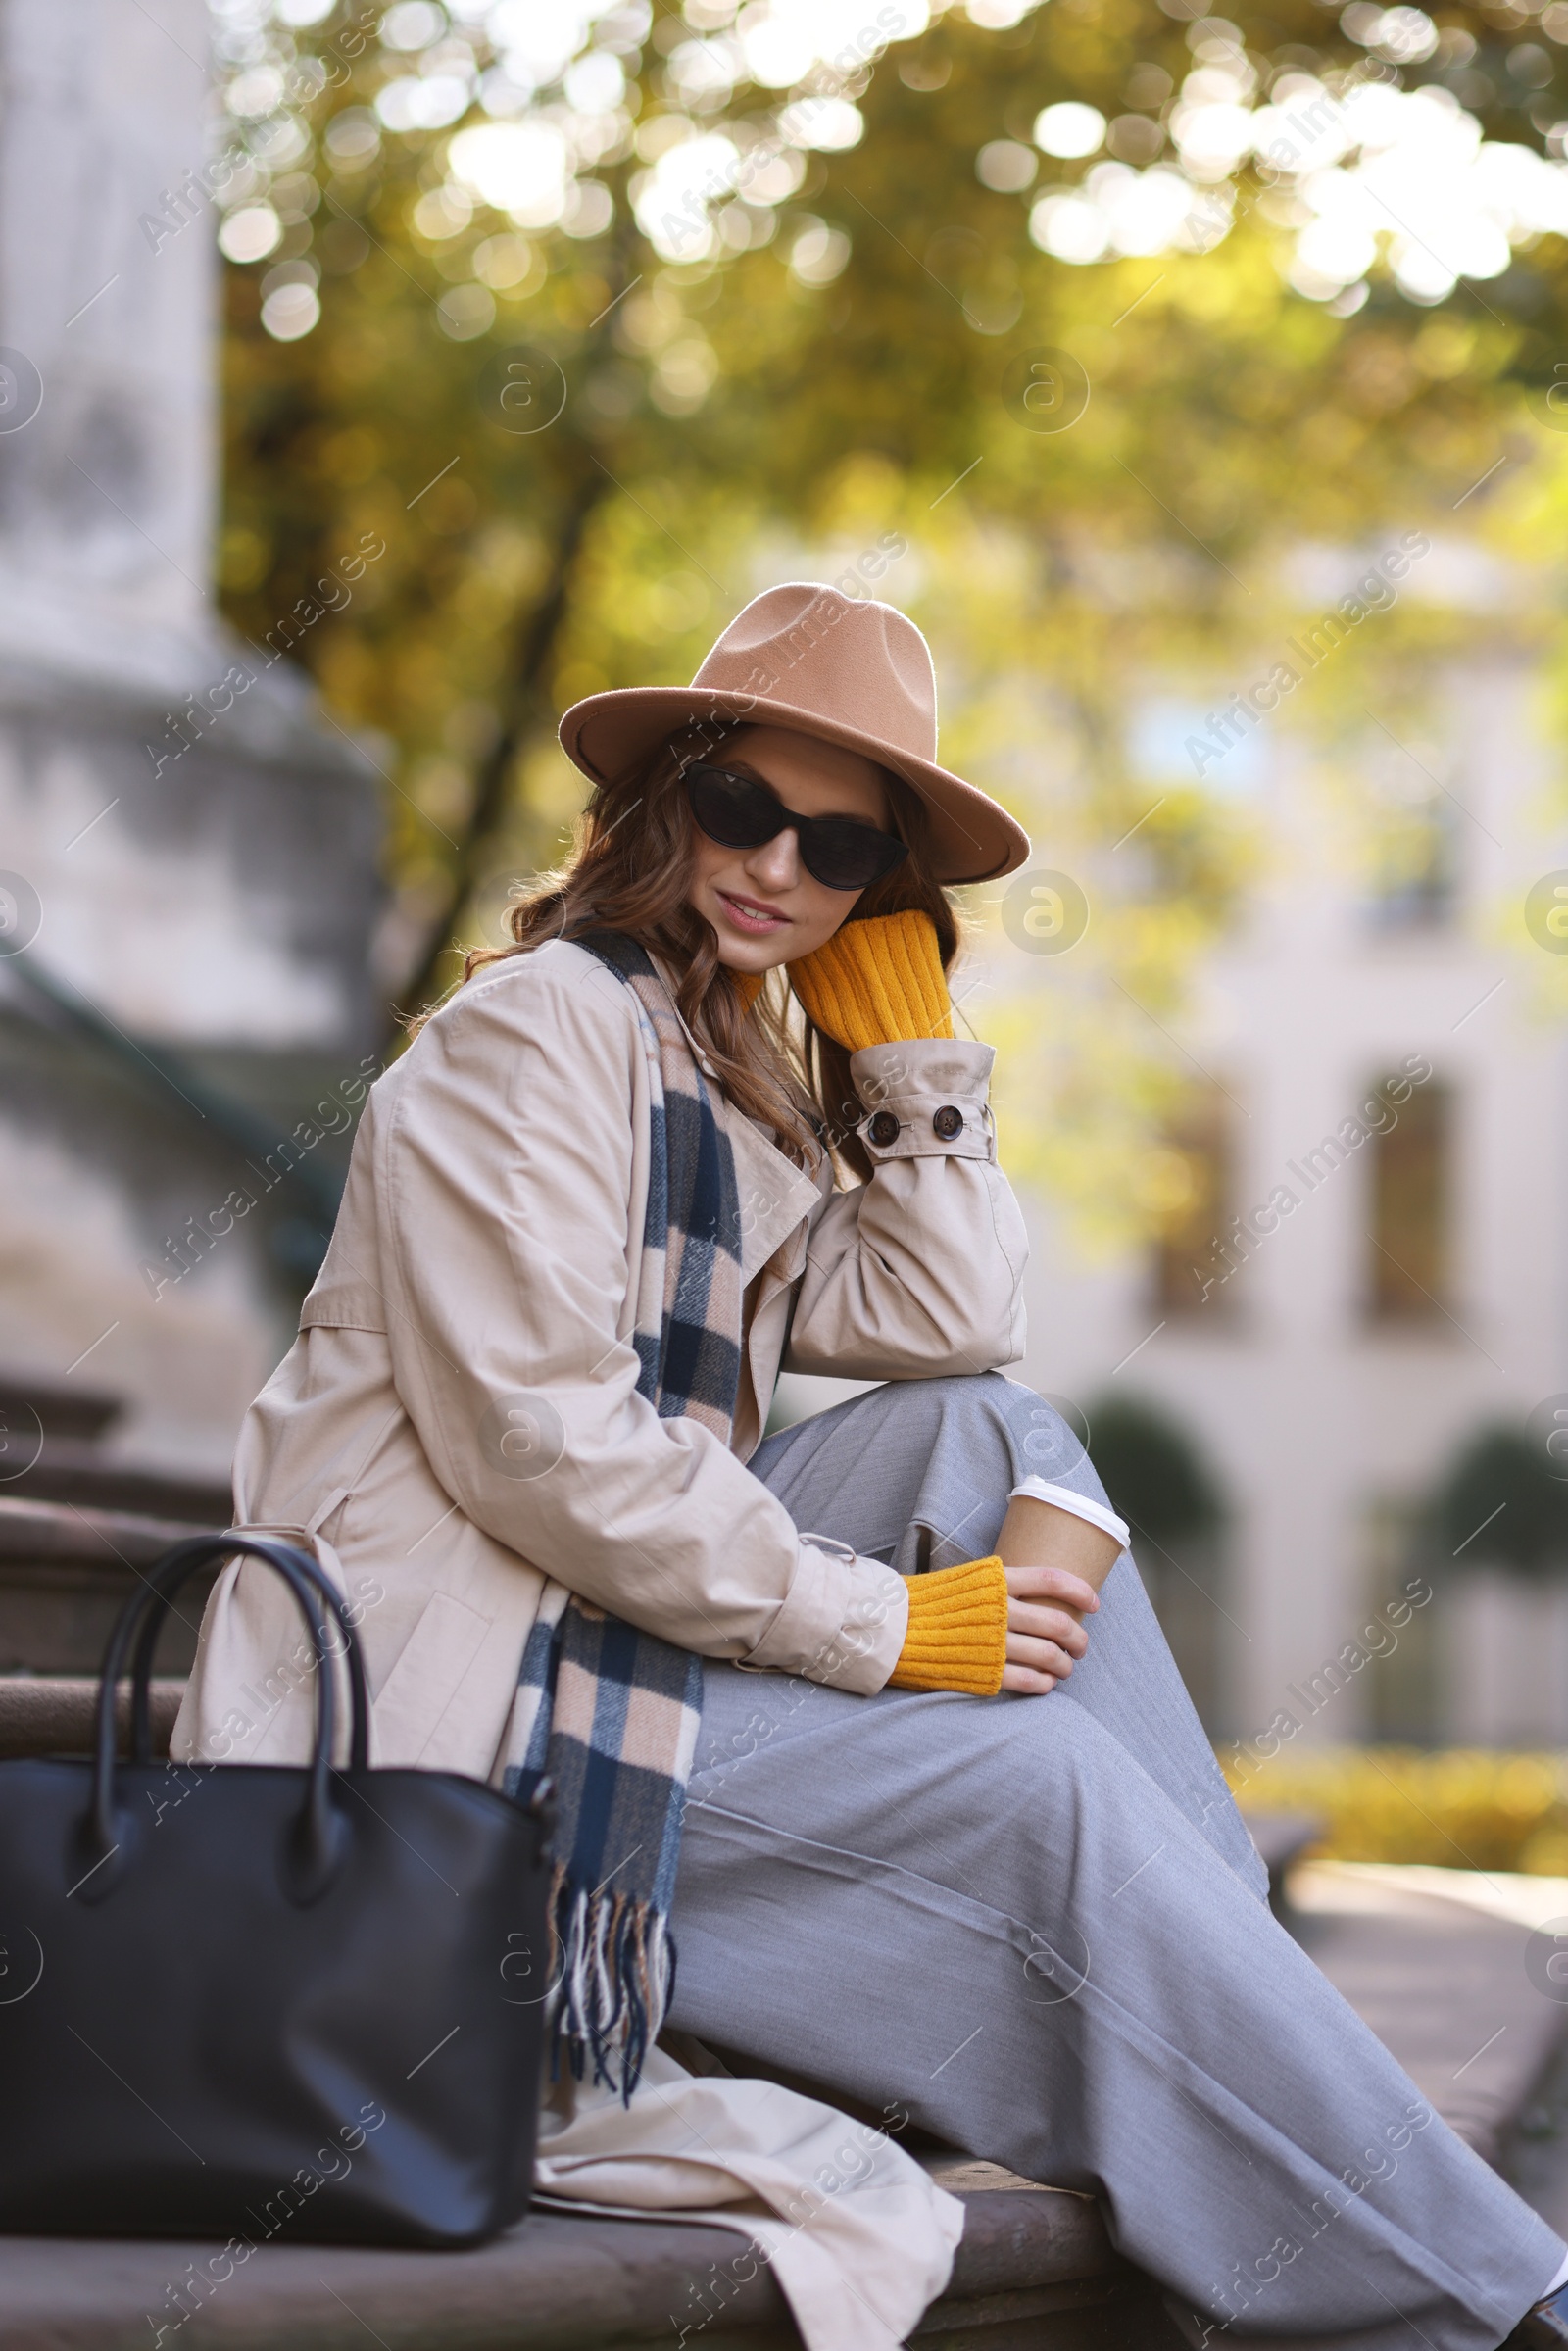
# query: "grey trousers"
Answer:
x=1038 y=1925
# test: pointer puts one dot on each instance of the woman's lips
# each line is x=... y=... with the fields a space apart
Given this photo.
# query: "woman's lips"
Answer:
x=752 y=915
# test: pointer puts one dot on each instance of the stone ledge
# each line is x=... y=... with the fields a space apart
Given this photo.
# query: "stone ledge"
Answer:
x=1034 y=2268
x=49 y=1714
x=77 y=1536
x=67 y=1569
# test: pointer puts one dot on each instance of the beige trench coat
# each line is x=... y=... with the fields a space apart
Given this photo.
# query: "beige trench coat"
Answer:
x=459 y=1419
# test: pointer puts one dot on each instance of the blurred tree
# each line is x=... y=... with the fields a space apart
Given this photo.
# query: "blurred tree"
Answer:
x=794 y=301
x=1502 y=1505
x=1152 y=1472
x=1158 y=1481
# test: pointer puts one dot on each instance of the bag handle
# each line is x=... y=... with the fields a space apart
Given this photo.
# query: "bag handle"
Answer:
x=156 y=1603
x=320 y=1837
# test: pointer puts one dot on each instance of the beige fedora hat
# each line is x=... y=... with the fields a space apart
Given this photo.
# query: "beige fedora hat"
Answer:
x=845 y=668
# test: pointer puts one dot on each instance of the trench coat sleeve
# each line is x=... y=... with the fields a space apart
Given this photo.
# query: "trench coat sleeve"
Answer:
x=918 y=1273
x=505 y=1175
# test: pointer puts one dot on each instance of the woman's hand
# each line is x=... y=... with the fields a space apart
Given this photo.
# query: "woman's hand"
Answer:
x=1045 y=1631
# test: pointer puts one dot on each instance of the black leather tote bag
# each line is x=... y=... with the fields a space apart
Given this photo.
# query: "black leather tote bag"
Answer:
x=253 y=2001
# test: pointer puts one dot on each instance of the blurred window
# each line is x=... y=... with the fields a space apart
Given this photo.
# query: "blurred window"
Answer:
x=1193 y=1262
x=1412 y=808
x=1409 y=1272
x=1416 y=879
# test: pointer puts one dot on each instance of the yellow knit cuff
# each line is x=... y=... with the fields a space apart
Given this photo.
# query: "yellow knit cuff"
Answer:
x=877 y=983
x=957 y=1634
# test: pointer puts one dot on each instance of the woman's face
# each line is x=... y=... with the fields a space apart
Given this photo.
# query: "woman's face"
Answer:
x=764 y=907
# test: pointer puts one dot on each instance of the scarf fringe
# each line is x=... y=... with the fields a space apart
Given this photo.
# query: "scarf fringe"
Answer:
x=615 y=1967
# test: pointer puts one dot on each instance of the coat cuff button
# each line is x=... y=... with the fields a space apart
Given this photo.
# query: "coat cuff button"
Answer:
x=883 y=1129
x=947 y=1122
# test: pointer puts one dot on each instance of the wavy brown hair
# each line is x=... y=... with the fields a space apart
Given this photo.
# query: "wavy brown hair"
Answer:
x=630 y=870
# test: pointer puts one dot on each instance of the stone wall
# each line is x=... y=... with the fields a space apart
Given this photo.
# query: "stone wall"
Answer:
x=189 y=848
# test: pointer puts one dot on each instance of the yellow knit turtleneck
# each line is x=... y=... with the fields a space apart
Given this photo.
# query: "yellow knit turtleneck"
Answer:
x=877 y=982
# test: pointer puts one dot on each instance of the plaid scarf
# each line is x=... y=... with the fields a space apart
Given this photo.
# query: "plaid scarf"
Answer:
x=609 y=1713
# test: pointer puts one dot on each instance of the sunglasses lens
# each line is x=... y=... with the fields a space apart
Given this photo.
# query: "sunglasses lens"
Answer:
x=731 y=809
x=844 y=855
x=740 y=814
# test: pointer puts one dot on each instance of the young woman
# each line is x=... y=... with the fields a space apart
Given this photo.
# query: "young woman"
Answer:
x=949 y=1837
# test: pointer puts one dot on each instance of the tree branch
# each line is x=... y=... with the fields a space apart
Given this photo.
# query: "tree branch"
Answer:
x=527 y=673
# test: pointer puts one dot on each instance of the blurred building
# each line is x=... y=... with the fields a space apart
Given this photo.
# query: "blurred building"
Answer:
x=187 y=855
x=1366 y=1265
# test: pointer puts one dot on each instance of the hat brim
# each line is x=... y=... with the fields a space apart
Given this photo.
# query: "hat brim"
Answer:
x=973 y=838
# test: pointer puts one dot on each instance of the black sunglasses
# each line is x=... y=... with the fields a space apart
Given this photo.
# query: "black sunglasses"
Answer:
x=740 y=813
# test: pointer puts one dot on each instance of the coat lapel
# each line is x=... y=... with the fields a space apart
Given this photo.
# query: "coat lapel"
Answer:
x=776 y=1197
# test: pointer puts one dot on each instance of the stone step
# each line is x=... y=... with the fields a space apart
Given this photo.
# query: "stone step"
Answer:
x=74 y=1534
x=1033 y=2272
x=1438 y=1962
x=53 y=1714
x=66 y=1572
x=67 y=1470
x=53 y=1437
x=1433 y=1960
x=34 y=1407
